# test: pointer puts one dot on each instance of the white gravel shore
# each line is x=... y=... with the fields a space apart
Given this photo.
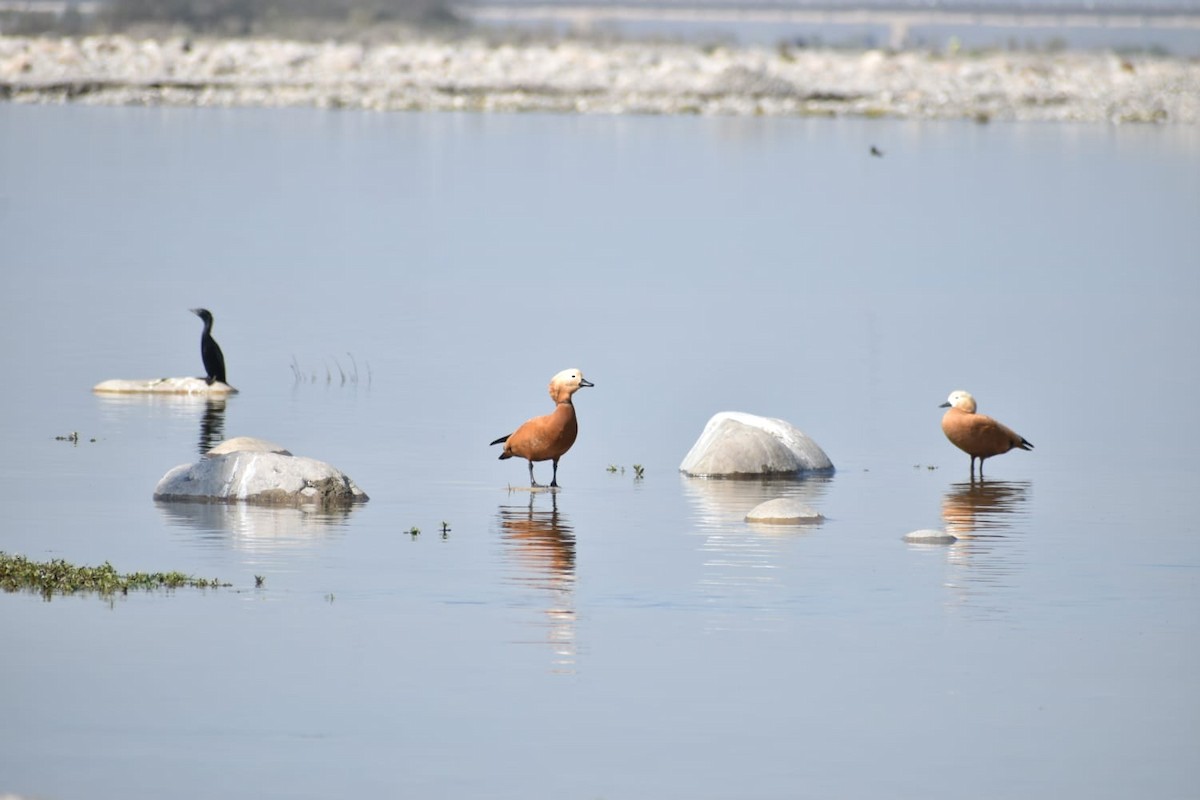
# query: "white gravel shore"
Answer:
x=586 y=77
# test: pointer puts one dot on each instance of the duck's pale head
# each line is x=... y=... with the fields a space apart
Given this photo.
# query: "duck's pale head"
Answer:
x=961 y=400
x=566 y=383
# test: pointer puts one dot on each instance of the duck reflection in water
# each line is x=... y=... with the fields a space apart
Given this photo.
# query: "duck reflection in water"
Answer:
x=212 y=424
x=990 y=519
x=542 y=543
x=981 y=507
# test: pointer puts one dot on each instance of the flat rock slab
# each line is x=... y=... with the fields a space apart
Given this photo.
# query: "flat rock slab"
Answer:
x=930 y=536
x=734 y=444
x=784 y=511
x=263 y=478
x=600 y=77
x=162 y=386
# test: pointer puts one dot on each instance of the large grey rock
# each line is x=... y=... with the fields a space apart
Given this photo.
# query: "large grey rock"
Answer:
x=257 y=476
x=163 y=386
x=735 y=444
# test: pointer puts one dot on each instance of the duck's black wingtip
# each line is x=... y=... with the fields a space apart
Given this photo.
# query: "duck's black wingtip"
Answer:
x=501 y=440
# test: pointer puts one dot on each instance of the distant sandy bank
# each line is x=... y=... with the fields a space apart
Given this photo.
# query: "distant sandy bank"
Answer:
x=584 y=77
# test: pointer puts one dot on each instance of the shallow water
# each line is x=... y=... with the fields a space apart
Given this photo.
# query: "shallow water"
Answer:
x=623 y=638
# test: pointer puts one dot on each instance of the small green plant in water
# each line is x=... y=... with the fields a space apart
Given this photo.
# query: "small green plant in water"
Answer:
x=639 y=472
x=414 y=531
x=17 y=573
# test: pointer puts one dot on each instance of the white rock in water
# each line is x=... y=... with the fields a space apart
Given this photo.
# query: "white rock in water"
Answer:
x=264 y=478
x=783 y=511
x=734 y=444
x=246 y=444
x=163 y=386
x=930 y=536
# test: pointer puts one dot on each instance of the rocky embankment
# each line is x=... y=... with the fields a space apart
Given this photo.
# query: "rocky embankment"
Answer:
x=577 y=76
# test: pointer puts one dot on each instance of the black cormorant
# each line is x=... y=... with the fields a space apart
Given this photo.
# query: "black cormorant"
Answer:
x=210 y=351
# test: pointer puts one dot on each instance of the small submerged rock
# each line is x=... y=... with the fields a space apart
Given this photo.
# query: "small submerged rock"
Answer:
x=162 y=386
x=930 y=536
x=784 y=511
x=735 y=444
x=255 y=471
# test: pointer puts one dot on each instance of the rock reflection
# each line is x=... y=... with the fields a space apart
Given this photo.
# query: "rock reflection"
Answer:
x=212 y=424
x=740 y=576
x=542 y=543
x=722 y=502
x=989 y=518
x=181 y=406
x=174 y=402
x=255 y=529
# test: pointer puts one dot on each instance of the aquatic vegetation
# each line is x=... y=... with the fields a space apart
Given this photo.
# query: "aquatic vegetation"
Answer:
x=302 y=375
x=57 y=577
x=73 y=437
x=639 y=471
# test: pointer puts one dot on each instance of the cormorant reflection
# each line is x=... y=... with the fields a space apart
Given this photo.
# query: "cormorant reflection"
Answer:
x=543 y=544
x=212 y=424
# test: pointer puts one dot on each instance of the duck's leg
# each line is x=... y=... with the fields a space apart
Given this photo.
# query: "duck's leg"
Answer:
x=554 y=477
x=532 y=482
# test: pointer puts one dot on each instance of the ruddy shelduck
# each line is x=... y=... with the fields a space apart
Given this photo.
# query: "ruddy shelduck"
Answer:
x=977 y=435
x=548 y=438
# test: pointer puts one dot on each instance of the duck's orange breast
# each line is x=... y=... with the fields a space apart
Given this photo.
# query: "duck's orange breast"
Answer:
x=545 y=438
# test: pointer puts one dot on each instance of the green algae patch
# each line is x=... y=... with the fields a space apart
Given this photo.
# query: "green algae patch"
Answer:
x=57 y=577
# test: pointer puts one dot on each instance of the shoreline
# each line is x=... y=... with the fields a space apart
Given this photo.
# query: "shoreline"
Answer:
x=574 y=76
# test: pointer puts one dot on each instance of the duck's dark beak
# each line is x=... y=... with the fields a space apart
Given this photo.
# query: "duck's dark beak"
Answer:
x=585 y=382
x=945 y=404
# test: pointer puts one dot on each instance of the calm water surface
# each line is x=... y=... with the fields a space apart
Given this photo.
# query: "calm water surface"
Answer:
x=625 y=638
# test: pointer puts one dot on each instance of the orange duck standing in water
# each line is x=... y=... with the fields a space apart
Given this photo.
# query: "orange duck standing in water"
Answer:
x=548 y=438
x=977 y=435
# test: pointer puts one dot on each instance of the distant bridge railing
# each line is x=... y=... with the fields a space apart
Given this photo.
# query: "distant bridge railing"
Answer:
x=897 y=18
x=55 y=7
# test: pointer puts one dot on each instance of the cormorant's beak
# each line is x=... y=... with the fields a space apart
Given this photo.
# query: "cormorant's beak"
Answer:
x=945 y=404
x=585 y=382
x=195 y=311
